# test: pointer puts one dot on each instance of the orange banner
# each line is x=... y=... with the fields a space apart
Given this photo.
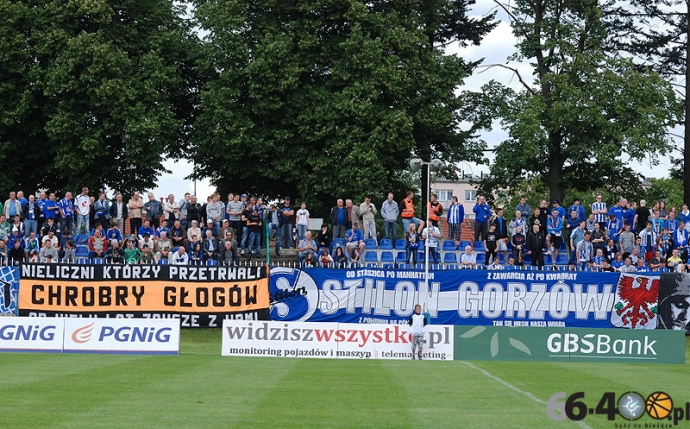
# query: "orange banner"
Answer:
x=89 y=296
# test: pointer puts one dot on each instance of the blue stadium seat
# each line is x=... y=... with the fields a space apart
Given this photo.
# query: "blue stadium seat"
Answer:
x=450 y=258
x=400 y=244
x=371 y=256
x=372 y=265
x=81 y=239
x=481 y=258
x=463 y=244
x=82 y=251
x=449 y=246
x=420 y=256
x=386 y=244
x=501 y=259
x=403 y=266
x=370 y=243
x=82 y=261
x=162 y=261
x=562 y=247
x=400 y=257
x=387 y=257
x=562 y=259
x=526 y=258
x=338 y=241
x=479 y=246
x=547 y=259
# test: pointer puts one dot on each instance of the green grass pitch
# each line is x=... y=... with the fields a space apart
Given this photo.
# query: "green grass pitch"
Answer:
x=201 y=389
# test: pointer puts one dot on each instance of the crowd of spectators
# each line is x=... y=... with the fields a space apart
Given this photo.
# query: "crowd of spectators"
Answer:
x=624 y=237
x=45 y=229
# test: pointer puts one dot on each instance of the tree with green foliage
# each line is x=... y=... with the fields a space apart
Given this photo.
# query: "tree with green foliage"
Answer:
x=329 y=98
x=98 y=92
x=657 y=31
x=584 y=115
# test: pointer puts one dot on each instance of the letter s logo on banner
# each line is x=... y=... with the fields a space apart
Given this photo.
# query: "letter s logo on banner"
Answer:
x=83 y=334
x=294 y=296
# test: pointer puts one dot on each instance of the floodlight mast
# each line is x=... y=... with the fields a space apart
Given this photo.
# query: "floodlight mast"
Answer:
x=417 y=164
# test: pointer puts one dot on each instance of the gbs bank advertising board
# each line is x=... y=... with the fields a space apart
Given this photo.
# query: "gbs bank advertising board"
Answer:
x=466 y=297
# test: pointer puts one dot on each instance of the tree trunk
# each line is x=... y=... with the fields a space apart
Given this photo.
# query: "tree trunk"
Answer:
x=555 y=167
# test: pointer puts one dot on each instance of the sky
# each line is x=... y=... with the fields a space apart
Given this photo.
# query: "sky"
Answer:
x=495 y=49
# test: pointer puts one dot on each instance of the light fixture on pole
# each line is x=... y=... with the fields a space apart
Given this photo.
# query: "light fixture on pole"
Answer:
x=416 y=164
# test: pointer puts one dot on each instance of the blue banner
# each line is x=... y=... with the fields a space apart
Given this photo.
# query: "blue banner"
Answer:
x=466 y=297
x=9 y=289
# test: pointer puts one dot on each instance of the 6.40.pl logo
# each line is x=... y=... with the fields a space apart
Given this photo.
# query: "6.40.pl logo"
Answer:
x=630 y=406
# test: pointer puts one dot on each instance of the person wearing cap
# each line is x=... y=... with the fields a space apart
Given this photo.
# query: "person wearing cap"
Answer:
x=209 y=227
x=15 y=236
x=674 y=303
x=555 y=204
x=288 y=224
x=225 y=227
x=19 y=225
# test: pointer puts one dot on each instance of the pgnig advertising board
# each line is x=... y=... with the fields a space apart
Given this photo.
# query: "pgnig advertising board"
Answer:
x=197 y=295
x=556 y=299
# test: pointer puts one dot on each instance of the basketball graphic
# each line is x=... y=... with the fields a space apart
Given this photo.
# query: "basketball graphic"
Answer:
x=659 y=405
